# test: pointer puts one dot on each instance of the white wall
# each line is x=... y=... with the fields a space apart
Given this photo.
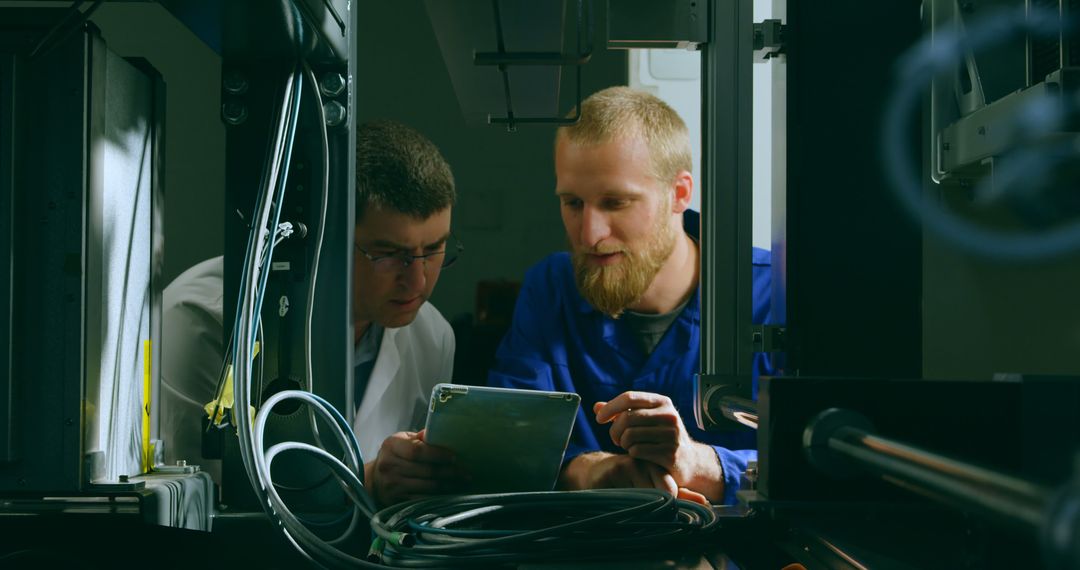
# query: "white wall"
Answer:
x=675 y=77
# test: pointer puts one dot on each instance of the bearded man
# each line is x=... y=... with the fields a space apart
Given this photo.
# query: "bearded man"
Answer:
x=617 y=319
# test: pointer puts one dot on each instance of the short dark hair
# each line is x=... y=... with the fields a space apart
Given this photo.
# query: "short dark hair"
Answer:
x=400 y=169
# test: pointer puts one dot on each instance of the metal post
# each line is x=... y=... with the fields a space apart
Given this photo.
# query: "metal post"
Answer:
x=726 y=198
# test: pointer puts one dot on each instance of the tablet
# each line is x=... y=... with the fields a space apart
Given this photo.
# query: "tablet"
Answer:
x=508 y=440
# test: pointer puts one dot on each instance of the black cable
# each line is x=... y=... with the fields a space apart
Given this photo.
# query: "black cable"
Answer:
x=313 y=86
x=515 y=528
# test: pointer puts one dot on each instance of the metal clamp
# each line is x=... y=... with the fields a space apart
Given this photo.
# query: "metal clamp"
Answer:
x=769 y=39
x=769 y=338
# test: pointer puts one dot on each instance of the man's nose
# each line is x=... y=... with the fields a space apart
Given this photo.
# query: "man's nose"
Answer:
x=413 y=275
x=594 y=227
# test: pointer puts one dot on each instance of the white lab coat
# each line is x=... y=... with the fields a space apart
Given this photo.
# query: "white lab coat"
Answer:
x=192 y=350
x=412 y=359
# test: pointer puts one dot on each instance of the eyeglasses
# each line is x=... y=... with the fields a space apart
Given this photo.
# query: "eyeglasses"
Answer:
x=396 y=262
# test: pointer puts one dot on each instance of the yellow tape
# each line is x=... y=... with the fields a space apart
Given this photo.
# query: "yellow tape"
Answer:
x=148 y=458
x=215 y=409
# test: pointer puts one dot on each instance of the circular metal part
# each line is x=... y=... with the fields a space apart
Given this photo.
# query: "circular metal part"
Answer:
x=234 y=84
x=824 y=427
x=332 y=84
x=335 y=113
x=234 y=113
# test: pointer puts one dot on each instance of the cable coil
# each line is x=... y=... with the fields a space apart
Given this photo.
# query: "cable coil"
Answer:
x=465 y=531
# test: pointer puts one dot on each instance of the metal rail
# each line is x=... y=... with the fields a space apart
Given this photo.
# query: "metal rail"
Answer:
x=840 y=441
x=740 y=410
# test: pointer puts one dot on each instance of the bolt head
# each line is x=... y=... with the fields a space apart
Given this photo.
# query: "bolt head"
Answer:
x=332 y=84
x=234 y=113
x=335 y=113
x=234 y=84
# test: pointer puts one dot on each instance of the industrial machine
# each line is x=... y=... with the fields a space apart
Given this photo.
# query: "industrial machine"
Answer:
x=928 y=150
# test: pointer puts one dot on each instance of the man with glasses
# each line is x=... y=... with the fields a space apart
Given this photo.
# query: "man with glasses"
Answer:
x=403 y=346
x=617 y=320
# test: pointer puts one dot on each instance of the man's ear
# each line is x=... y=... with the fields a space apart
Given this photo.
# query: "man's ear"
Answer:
x=683 y=192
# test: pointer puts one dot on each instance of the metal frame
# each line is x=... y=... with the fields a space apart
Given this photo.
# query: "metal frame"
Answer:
x=726 y=200
x=7 y=194
x=283 y=347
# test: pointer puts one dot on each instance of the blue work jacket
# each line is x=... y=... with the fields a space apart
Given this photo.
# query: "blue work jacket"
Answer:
x=557 y=341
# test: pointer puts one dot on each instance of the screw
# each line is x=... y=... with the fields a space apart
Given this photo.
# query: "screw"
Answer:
x=234 y=113
x=181 y=463
x=332 y=84
x=234 y=83
x=335 y=113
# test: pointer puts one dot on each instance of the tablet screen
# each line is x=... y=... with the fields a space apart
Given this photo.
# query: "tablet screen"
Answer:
x=508 y=440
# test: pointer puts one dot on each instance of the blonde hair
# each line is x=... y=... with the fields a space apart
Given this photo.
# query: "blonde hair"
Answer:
x=620 y=113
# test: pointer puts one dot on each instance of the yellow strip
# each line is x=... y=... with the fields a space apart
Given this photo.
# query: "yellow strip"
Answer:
x=147 y=453
x=216 y=408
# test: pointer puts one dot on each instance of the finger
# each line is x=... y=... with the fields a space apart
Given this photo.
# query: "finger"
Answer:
x=639 y=474
x=647 y=435
x=417 y=451
x=416 y=470
x=433 y=454
x=658 y=454
x=663 y=480
x=642 y=418
x=596 y=410
x=689 y=495
x=630 y=401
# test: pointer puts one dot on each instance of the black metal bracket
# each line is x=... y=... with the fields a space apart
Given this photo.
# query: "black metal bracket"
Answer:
x=504 y=60
x=769 y=338
x=769 y=39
